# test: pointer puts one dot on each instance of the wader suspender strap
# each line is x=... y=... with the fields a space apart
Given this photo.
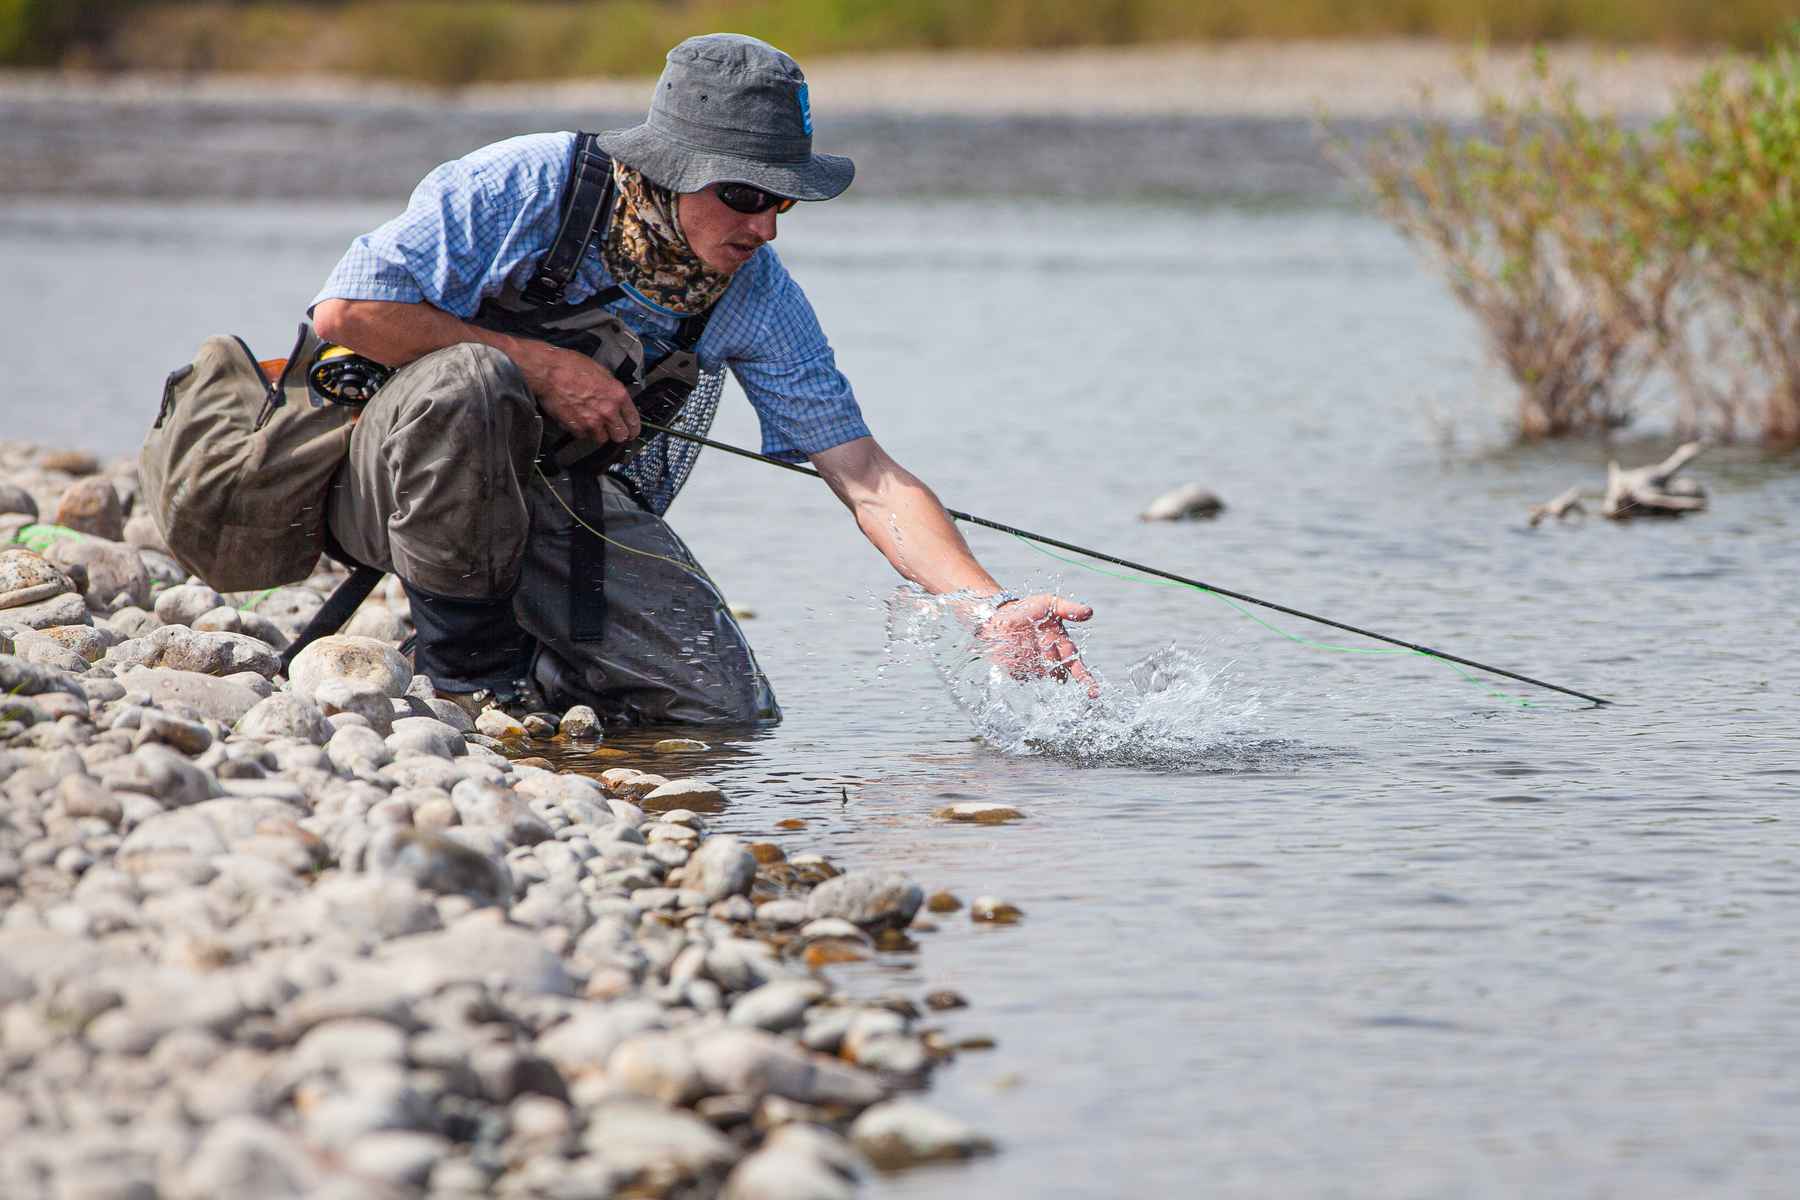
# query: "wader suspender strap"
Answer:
x=586 y=200
x=587 y=548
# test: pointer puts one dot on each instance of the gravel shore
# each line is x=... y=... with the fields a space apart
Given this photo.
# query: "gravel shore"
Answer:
x=324 y=936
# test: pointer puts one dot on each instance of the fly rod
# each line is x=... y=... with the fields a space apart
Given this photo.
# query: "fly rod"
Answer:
x=1000 y=527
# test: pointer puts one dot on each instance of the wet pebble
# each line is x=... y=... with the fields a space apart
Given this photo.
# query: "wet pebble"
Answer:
x=992 y=910
x=905 y=1133
x=580 y=721
x=979 y=813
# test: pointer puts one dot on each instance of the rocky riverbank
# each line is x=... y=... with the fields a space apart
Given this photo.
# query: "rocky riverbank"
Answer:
x=321 y=936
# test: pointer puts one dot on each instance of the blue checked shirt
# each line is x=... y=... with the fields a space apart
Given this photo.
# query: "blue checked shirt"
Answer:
x=479 y=224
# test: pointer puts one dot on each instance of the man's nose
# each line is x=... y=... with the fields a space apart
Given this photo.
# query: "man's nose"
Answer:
x=763 y=224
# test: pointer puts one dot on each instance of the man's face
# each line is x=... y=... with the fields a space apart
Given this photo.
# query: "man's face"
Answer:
x=723 y=238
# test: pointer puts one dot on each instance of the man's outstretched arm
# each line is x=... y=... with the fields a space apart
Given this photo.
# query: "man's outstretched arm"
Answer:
x=904 y=520
x=574 y=391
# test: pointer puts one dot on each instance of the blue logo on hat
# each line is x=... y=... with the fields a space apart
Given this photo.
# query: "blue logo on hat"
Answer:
x=805 y=111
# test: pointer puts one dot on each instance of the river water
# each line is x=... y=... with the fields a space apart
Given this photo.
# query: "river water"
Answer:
x=1299 y=922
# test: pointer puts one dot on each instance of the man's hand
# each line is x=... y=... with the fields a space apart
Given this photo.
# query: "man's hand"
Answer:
x=1028 y=639
x=582 y=396
x=573 y=390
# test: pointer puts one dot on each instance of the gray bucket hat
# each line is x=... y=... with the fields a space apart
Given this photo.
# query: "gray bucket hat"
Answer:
x=730 y=109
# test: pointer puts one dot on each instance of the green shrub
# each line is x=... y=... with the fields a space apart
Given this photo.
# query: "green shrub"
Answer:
x=1600 y=258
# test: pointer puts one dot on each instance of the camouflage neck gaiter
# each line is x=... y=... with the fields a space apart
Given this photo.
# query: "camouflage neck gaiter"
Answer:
x=647 y=252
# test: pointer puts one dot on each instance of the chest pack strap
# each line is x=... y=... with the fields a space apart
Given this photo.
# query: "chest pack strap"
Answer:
x=586 y=200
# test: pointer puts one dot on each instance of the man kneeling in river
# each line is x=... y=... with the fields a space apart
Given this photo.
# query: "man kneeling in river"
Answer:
x=552 y=276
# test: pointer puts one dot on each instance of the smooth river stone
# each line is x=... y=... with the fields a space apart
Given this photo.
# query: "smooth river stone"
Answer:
x=751 y=1062
x=179 y=648
x=352 y=659
x=778 y=1005
x=21 y=678
x=66 y=609
x=658 y=1065
x=872 y=900
x=364 y=700
x=90 y=642
x=580 y=722
x=224 y=700
x=112 y=569
x=721 y=867
x=992 y=910
x=438 y=864
x=15 y=499
x=643 y=1138
x=903 y=1133
x=186 y=603
x=92 y=506
x=979 y=813
x=285 y=715
x=1184 y=503
x=684 y=793
x=797 y=1162
x=27 y=578
x=498 y=724
x=478 y=950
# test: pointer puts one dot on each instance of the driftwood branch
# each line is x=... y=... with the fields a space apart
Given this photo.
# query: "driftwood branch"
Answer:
x=1654 y=491
x=1557 y=509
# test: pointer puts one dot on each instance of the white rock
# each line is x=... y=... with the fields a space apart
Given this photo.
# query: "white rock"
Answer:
x=683 y=793
x=495 y=723
x=1186 y=502
x=751 y=1062
x=797 y=1162
x=350 y=659
x=657 y=1065
x=777 y=1006
x=901 y=1133
x=721 y=867
x=285 y=715
x=580 y=722
x=187 y=603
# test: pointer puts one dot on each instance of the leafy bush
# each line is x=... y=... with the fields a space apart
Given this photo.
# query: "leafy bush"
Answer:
x=1602 y=258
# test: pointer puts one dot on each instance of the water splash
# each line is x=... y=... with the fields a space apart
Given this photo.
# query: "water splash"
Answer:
x=1170 y=710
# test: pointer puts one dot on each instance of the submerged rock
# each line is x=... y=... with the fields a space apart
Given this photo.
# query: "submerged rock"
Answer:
x=994 y=911
x=979 y=813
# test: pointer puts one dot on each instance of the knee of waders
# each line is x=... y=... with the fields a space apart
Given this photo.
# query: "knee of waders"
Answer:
x=471 y=389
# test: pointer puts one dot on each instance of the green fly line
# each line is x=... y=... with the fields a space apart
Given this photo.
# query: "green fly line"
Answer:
x=1309 y=643
x=1148 y=574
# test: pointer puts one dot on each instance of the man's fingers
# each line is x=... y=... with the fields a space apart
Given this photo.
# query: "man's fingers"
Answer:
x=1068 y=610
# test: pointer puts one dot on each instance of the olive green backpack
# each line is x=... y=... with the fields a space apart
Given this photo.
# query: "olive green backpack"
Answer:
x=239 y=463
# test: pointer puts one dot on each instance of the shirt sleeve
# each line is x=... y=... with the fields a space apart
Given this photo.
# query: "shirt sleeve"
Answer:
x=789 y=372
x=470 y=224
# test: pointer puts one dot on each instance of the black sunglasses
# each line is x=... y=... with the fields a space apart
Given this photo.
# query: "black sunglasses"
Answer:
x=742 y=197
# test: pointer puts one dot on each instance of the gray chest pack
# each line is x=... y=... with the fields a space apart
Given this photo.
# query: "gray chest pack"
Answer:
x=238 y=464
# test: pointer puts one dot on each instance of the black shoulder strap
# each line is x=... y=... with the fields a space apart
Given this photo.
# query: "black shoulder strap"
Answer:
x=688 y=335
x=587 y=198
